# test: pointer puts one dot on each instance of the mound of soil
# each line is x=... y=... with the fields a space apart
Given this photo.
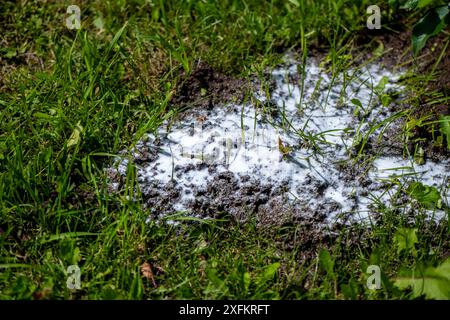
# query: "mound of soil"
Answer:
x=229 y=160
x=206 y=87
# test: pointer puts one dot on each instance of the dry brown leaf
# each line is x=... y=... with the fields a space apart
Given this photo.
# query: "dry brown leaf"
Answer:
x=201 y=118
x=146 y=270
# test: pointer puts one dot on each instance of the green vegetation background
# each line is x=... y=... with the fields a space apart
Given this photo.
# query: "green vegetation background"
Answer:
x=71 y=100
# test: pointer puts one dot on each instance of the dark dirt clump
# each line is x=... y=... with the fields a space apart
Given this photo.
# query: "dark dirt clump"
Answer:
x=206 y=87
x=243 y=198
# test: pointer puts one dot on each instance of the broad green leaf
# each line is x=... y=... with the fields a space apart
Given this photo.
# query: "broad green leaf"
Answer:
x=350 y=290
x=69 y=252
x=74 y=138
x=385 y=100
x=357 y=103
x=431 y=24
x=358 y=108
x=382 y=84
x=326 y=262
x=434 y=283
x=445 y=129
x=406 y=239
x=268 y=273
x=10 y=53
x=271 y=270
x=427 y=196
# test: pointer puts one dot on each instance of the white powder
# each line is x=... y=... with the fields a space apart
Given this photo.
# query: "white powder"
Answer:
x=244 y=141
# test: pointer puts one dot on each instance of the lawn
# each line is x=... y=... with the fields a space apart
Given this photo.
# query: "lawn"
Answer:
x=74 y=101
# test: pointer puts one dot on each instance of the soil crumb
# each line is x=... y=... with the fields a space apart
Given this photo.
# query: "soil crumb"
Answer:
x=205 y=87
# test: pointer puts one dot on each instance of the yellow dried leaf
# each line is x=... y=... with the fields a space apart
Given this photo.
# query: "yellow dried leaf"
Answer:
x=283 y=149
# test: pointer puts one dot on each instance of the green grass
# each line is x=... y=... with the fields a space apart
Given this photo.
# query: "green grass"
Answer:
x=114 y=84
